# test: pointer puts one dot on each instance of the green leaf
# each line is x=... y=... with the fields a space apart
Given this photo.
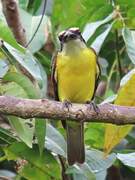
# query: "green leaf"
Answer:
x=45 y=164
x=33 y=173
x=40 y=128
x=129 y=38
x=6 y=35
x=23 y=128
x=12 y=89
x=30 y=24
x=125 y=79
x=127 y=159
x=94 y=133
x=96 y=45
x=82 y=170
x=6 y=136
x=110 y=99
x=79 y=177
x=24 y=82
x=97 y=162
x=55 y=141
x=85 y=168
x=20 y=86
x=4 y=66
x=28 y=61
x=90 y=28
x=73 y=170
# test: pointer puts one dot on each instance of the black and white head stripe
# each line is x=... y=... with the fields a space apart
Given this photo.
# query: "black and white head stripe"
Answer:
x=71 y=33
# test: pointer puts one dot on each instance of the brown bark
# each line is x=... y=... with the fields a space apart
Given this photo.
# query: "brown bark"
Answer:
x=43 y=108
x=10 y=10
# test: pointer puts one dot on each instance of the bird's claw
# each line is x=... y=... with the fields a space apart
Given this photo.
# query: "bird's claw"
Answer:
x=94 y=105
x=67 y=104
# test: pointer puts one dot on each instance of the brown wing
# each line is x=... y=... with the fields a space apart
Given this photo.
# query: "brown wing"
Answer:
x=54 y=75
x=97 y=75
x=54 y=81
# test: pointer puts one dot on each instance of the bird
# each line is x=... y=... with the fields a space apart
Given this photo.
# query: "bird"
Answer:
x=75 y=74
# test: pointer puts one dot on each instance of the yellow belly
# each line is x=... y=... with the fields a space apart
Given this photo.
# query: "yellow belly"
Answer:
x=76 y=76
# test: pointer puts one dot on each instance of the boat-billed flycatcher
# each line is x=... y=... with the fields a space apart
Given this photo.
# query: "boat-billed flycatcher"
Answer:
x=75 y=73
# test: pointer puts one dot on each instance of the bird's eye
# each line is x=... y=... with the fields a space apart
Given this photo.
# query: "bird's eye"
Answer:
x=61 y=35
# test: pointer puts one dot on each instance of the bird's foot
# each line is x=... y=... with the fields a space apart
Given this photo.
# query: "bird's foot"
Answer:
x=94 y=105
x=67 y=104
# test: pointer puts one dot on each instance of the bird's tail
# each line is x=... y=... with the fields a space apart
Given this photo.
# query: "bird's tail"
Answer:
x=75 y=143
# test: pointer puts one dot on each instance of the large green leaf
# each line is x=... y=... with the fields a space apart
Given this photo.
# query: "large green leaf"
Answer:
x=98 y=42
x=95 y=163
x=12 y=89
x=23 y=128
x=129 y=38
x=28 y=61
x=33 y=173
x=55 y=141
x=6 y=137
x=44 y=166
x=90 y=28
x=40 y=128
x=24 y=82
x=6 y=35
x=20 y=86
x=127 y=77
x=127 y=159
x=94 y=133
x=99 y=176
x=30 y=24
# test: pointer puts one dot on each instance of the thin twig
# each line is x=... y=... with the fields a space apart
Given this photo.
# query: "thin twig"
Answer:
x=110 y=76
x=117 y=52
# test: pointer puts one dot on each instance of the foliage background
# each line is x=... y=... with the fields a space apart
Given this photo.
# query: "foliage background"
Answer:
x=108 y=27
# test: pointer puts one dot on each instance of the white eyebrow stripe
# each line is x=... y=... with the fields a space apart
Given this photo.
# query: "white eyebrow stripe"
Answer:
x=74 y=29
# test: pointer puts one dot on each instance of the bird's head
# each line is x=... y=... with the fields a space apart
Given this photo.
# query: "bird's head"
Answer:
x=71 y=38
x=69 y=34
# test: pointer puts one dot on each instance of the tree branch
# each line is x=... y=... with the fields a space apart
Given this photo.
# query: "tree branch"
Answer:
x=43 y=108
x=10 y=10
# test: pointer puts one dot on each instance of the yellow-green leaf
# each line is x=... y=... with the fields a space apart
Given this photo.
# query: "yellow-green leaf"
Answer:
x=126 y=97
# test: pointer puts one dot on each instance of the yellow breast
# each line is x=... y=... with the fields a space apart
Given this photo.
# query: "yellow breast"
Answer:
x=76 y=76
